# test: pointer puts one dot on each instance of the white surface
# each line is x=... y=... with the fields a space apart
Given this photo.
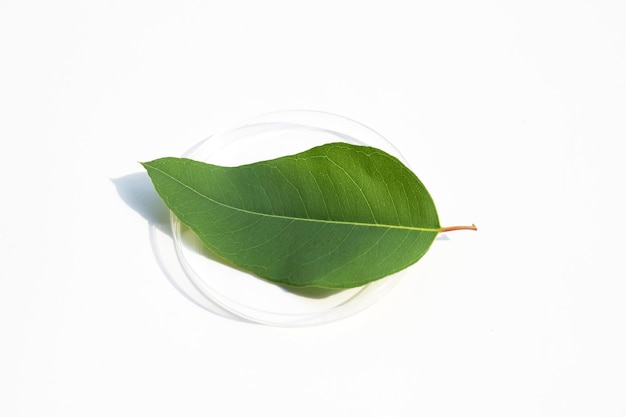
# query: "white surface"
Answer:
x=512 y=113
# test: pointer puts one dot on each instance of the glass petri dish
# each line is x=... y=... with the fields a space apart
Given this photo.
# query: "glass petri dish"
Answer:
x=235 y=293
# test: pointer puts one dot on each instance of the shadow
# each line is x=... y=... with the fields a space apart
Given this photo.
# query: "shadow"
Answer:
x=137 y=191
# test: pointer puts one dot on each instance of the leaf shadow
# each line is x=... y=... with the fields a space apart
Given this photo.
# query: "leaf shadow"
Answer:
x=137 y=191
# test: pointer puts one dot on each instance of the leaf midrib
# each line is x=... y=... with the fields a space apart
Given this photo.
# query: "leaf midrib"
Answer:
x=275 y=216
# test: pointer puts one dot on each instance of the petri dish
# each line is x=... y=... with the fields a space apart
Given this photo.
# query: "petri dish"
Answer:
x=237 y=294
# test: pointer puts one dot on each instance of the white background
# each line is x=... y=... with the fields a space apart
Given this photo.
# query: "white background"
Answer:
x=512 y=113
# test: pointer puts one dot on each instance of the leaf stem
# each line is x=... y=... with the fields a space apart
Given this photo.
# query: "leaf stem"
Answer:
x=453 y=228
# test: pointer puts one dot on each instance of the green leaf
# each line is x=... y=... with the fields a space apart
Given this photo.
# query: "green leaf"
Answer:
x=335 y=216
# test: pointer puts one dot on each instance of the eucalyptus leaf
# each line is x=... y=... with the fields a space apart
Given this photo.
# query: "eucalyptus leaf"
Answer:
x=334 y=216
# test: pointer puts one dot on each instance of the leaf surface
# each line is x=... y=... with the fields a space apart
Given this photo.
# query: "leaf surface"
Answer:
x=334 y=216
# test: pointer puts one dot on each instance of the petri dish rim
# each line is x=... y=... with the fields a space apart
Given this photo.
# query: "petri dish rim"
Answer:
x=259 y=138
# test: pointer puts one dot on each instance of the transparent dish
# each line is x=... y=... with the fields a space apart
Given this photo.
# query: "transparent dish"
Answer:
x=233 y=293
